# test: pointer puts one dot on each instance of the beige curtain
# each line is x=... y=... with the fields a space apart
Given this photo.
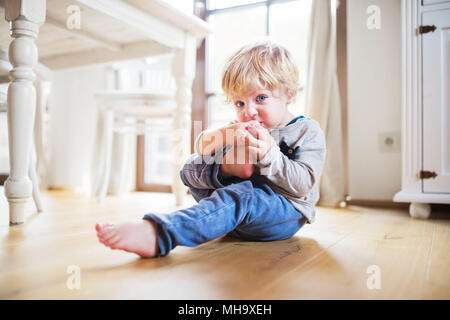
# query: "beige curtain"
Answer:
x=322 y=100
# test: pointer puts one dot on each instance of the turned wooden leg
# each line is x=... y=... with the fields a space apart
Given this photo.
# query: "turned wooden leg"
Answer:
x=182 y=125
x=419 y=210
x=35 y=180
x=121 y=153
x=108 y=145
x=184 y=69
x=42 y=96
x=24 y=16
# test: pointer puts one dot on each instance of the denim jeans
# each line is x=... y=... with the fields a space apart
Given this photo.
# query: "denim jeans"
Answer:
x=247 y=210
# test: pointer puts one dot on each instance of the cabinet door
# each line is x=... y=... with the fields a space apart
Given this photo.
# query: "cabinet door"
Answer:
x=430 y=2
x=436 y=101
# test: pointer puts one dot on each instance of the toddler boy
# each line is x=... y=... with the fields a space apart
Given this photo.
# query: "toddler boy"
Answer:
x=255 y=179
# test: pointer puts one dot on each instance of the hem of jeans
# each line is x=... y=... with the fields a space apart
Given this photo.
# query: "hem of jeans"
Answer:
x=160 y=229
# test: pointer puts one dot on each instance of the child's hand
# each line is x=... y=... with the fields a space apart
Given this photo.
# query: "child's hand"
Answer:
x=260 y=142
x=238 y=132
x=213 y=140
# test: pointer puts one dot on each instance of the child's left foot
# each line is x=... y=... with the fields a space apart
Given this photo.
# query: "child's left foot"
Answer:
x=137 y=237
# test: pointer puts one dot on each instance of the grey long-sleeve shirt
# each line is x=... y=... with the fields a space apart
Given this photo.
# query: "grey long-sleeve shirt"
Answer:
x=292 y=167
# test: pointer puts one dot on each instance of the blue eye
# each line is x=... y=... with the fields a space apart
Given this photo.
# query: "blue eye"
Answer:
x=260 y=98
x=240 y=104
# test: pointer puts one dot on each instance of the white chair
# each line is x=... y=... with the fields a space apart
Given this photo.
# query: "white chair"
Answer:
x=132 y=108
x=37 y=155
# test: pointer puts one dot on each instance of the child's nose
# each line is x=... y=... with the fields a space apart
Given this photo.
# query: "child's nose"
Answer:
x=251 y=112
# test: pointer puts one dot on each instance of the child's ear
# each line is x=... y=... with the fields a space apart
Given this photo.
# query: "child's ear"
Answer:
x=290 y=94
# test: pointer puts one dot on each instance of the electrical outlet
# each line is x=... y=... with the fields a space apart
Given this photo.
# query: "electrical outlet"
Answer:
x=389 y=141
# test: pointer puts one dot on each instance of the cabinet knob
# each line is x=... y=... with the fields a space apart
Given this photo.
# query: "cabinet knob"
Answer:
x=426 y=29
x=427 y=174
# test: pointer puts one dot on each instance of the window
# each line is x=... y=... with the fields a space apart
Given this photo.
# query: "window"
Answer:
x=237 y=22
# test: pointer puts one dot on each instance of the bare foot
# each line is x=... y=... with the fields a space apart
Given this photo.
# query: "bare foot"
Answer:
x=138 y=237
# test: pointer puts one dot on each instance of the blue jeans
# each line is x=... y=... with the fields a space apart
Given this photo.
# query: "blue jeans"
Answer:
x=247 y=210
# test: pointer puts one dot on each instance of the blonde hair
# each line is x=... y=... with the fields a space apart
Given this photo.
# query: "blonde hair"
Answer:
x=260 y=65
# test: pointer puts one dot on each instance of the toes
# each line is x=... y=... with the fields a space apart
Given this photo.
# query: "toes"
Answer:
x=99 y=227
x=103 y=226
x=101 y=239
x=105 y=229
x=109 y=235
x=106 y=233
x=113 y=242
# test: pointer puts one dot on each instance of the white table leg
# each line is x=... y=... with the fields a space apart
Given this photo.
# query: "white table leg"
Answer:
x=24 y=16
x=184 y=71
x=42 y=96
x=121 y=155
x=35 y=180
x=108 y=137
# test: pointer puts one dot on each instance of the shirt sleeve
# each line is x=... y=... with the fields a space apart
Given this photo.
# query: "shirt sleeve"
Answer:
x=298 y=176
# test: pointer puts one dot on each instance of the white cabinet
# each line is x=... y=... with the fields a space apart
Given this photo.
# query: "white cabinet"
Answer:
x=426 y=106
x=436 y=101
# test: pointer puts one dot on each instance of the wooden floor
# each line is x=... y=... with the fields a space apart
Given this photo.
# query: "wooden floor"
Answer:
x=325 y=260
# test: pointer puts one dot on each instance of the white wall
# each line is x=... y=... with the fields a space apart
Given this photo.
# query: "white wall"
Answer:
x=374 y=99
x=73 y=126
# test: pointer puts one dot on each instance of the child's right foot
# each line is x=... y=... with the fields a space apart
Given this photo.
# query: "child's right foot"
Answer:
x=137 y=237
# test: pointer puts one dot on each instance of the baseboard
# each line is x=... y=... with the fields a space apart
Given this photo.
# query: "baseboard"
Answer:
x=435 y=207
x=440 y=207
x=66 y=190
x=378 y=203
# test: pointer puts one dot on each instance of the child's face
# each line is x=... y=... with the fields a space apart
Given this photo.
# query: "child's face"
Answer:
x=268 y=107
